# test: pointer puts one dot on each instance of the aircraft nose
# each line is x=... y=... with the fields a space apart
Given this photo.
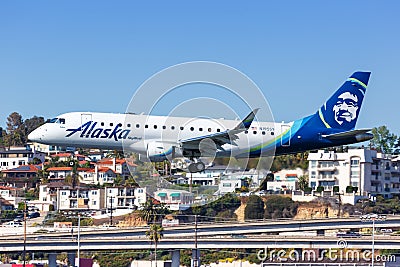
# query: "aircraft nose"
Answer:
x=36 y=135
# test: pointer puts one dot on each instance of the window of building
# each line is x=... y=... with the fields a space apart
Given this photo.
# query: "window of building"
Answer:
x=128 y=125
x=164 y=127
x=191 y=128
x=111 y=124
x=181 y=128
x=172 y=127
x=137 y=125
x=155 y=126
x=313 y=163
x=146 y=126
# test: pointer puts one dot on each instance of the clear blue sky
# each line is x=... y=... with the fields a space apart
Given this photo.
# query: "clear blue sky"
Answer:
x=61 y=56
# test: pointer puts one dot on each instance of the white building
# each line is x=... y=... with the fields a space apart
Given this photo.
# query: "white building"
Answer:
x=17 y=156
x=372 y=173
x=11 y=194
x=175 y=199
x=80 y=198
x=49 y=149
x=285 y=180
x=124 y=197
x=230 y=183
x=64 y=197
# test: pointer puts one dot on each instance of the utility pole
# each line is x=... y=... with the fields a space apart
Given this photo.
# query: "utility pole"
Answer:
x=196 y=256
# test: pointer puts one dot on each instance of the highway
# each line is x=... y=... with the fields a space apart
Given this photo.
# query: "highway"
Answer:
x=249 y=228
x=239 y=235
x=259 y=242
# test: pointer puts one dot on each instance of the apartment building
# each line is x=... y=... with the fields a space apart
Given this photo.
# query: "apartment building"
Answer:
x=370 y=172
x=64 y=197
x=124 y=197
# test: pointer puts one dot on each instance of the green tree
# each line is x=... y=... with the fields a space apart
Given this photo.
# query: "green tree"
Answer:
x=383 y=140
x=15 y=130
x=32 y=123
x=303 y=182
x=155 y=233
x=254 y=208
x=151 y=212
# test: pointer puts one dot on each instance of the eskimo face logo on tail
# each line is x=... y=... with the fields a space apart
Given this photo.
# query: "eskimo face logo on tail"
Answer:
x=346 y=108
x=89 y=130
x=342 y=108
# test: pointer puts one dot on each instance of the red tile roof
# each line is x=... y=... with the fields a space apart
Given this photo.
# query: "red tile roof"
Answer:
x=108 y=161
x=62 y=155
x=60 y=169
x=24 y=168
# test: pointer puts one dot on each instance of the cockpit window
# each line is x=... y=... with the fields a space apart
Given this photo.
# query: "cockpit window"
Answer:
x=57 y=120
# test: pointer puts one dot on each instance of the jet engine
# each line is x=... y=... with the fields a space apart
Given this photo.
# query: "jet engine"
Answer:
x=159 y=151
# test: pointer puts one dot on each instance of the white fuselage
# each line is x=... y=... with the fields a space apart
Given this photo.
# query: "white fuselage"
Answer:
x=133 y=133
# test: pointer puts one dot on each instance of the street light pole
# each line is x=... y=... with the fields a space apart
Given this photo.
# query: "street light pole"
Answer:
x=24 y=253
x=369 y=218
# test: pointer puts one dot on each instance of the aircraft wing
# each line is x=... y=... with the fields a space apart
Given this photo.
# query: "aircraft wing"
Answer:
x=349 y=134
x=208 y=144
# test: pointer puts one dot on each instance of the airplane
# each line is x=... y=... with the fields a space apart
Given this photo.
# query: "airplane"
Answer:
x=160 y=138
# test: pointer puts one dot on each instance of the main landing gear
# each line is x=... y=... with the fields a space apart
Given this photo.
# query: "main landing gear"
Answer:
x=196 y=166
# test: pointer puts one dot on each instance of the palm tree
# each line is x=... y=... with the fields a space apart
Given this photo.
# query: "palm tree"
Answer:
x=155 y=234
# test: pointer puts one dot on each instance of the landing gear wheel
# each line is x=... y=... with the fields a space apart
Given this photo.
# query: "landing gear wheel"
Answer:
x=196 y=167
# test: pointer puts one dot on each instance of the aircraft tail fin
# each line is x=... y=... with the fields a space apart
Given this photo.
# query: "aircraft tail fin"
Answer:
x=341 y=110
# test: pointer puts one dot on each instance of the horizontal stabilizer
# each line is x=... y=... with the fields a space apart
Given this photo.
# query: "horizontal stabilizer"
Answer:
x=359 y=135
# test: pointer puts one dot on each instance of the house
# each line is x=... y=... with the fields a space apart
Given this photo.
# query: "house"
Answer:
x=12 y=195
x=175 y=199
x=5 y=205
x=17 y=156
x=98 y=175
x=24 y=176
x=285 y=180
x=119 y=166
x=49 y=149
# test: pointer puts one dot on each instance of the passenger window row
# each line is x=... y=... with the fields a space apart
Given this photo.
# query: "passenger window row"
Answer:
x=146 y=126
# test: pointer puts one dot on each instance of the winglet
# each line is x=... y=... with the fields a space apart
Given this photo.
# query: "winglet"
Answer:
x=246 y=122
